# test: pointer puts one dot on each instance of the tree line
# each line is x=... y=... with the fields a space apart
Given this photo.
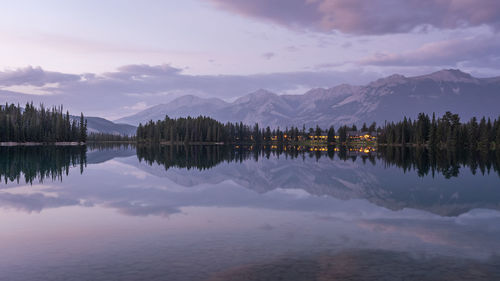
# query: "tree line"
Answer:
x=443 y=132
x=204 y=129
x=106 y=137
x=32 y=124
x=192 y=130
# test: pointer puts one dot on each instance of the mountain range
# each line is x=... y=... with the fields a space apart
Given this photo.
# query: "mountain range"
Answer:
x=387 y=99
x=101 y=125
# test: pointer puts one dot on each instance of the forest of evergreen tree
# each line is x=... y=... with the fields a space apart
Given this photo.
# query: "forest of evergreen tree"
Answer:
x=41 y=125
x=107 y=137
x=446 y=131
x=207 y=130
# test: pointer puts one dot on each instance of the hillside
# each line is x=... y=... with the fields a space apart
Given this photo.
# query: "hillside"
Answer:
x=101 y=125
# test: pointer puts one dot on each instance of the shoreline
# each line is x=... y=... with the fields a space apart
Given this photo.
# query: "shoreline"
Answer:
x=63 y=143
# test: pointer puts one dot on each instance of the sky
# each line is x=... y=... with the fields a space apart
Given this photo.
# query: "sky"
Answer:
x=114 y=58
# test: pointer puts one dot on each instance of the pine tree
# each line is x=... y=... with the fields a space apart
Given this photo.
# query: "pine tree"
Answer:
x=83 y=129
x=497 y=137
x=331 y=135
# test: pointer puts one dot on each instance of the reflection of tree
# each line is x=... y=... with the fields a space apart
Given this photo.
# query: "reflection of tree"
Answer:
x=39 y=162
x=424 y=161
x=194 y=156
x=54 y=161
x=108 y=145
x=445 y=162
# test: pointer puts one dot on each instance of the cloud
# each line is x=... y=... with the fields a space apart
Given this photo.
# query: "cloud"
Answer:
x=268 y=55
x=131 y=87
x=368 y=17
x=34 y=76
x=475 y=51
x=138 y=106
x=33 y=202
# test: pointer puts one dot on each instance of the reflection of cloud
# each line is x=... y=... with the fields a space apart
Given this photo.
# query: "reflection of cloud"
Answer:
x=423 y=233
x=33 y=202
x=356 y=264
x=266 y=227
x=449 y=232
x=118 y=184
x=33 y=189
x=142 y=209
x=138 y=174
x=298 y=193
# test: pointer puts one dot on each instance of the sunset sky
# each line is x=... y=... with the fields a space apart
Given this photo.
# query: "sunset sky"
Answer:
x=114 y=58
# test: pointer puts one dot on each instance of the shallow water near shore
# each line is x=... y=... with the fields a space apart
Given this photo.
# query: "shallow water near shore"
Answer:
x=218 y=213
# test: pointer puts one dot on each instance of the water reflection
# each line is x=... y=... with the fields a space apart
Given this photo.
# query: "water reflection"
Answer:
x=424 y=161
x=449 y=183
x=446 y=162
x=39 y=162
x=365 y=265
x=244 y=213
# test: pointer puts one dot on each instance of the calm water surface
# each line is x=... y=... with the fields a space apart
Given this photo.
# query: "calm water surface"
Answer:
x=205 y=213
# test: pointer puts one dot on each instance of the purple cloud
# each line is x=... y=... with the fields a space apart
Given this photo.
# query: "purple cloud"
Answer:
x=268 y=55
x=34 y=77
x=118 y=93
x=368 y=17
x=475 y=51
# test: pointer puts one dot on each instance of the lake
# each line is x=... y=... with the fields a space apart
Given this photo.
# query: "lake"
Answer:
x=247 y=213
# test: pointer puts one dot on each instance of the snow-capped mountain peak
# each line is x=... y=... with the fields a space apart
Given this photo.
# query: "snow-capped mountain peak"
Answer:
x=389 y=98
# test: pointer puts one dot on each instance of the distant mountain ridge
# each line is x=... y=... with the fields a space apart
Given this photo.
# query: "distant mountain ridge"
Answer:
x=101 y=125
x=388 y=98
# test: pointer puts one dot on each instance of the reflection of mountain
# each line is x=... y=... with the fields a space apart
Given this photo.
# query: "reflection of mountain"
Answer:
x=97 y=155
x=278 y=231
x=441 y=183
x=385 y=186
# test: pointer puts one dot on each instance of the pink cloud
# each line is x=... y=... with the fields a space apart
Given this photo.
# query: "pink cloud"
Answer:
x=477 y=51
x=368 y=17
